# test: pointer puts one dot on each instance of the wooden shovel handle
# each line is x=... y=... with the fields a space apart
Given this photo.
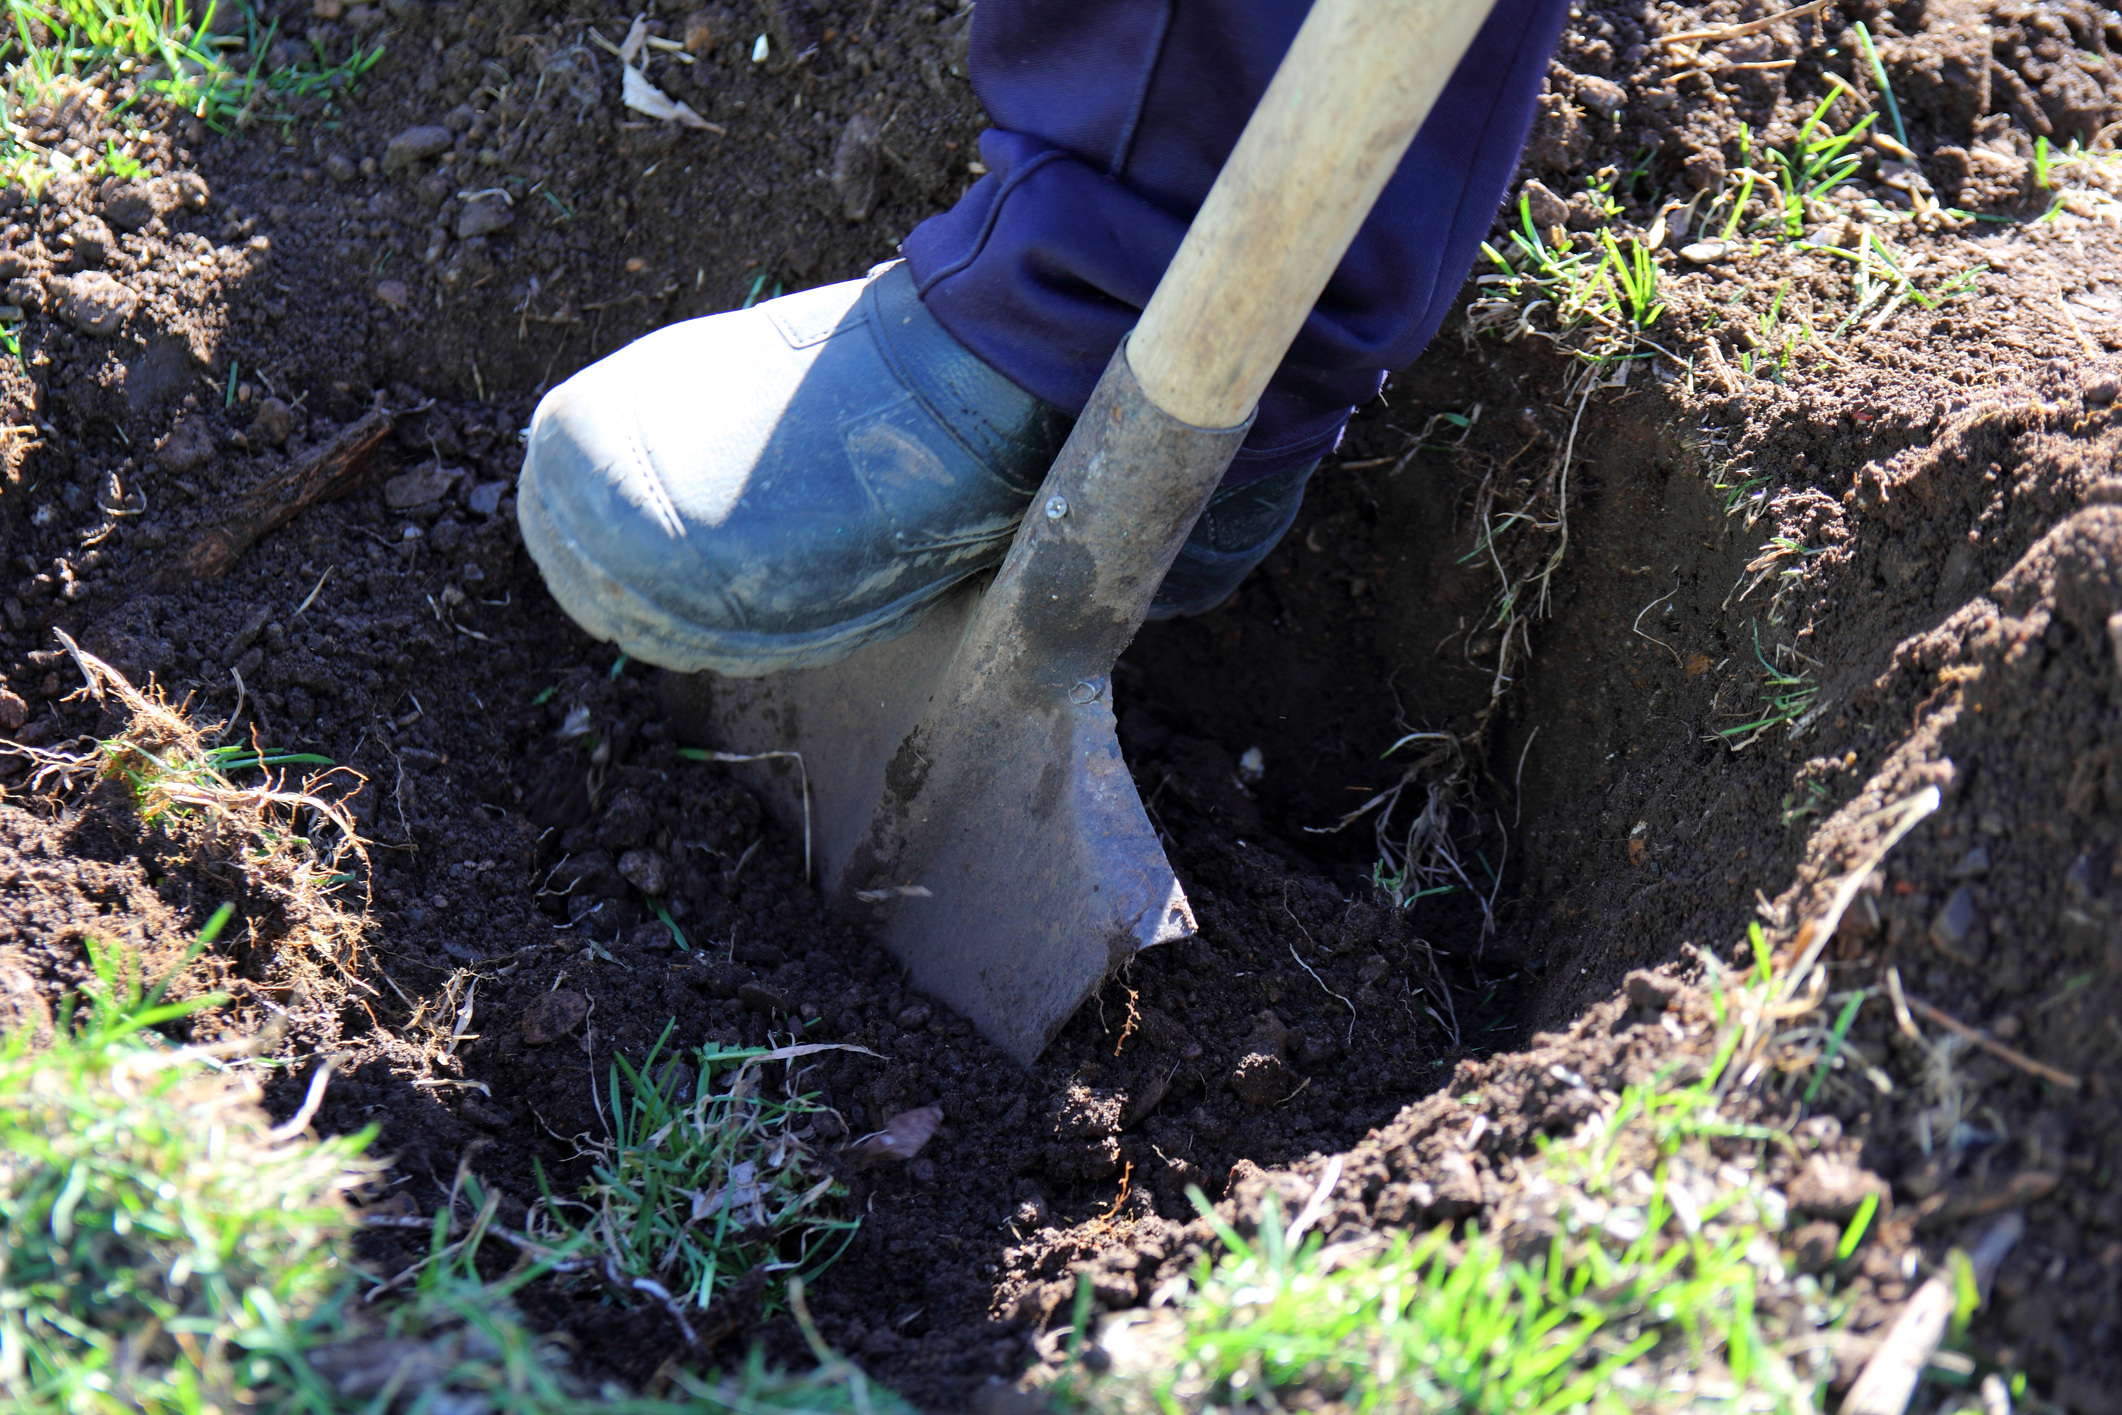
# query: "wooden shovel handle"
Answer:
x=1328 y=134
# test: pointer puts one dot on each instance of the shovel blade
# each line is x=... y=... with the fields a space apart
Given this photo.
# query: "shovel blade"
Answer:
x=1030 y=869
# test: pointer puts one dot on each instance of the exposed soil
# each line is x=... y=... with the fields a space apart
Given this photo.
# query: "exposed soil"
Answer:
x=1922 y=520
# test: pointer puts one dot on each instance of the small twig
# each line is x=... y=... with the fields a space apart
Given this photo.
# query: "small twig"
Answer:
x=1316 y=1205
x=1911 y=811
x=303 y=607
x=1890 y=1377
x=1637 y=627
x=702 y=754
x=1723 y=32
x=1902 y=1019
x=1994 y=1047
x=330 y=470
x=2092 y=350
x=300 y=1120
x=1314 y=974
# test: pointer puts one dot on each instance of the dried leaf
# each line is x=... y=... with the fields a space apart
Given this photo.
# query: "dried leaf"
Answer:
x=644 y=97
x=901 y=1138
x=636 y=36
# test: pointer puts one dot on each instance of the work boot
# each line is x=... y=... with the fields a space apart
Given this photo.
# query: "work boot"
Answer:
x=774 y=488
x=1237 y=529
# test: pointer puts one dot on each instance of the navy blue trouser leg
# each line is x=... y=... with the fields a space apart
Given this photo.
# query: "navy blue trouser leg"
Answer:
x=1111 y=120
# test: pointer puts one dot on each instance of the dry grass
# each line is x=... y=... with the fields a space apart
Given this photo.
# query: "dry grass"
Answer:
x=230 y=811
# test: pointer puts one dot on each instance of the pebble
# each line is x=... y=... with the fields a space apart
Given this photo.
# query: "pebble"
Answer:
x=855 y=166
x=646 y=871
x=1974 y=862
x=1601 y=96
x=483 y=215
x=763 y=999
x=14 y=711
x=393 y=293
x=419 y=488
x=1703 y=252
x=339 y=167
x=553 y=1016
x=1546 y=208
x=485 y=498
x=417 y=145
x=1953 y=929
x=675 y=1080
x=274 y=422
x=699 y=34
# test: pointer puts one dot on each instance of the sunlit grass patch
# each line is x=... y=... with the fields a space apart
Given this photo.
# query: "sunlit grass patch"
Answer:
x=706 y=1177
x=161 y=1245
x=218 y=62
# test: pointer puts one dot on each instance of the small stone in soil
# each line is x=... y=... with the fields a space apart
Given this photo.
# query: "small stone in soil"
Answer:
x=393 y=293
x=1956 y=928
x=274 y=421
x=1546 y=208
x=553 y=1016
x=484 y=215
x=1974 y=862
x=675 y=1080
x=646 y=871
x=699 y=34
x=416 y=145
x=902 y=1137
x=1703 y=252
x=485 y=498
x=14 y=711
x=419 y=488
x=763 y=1000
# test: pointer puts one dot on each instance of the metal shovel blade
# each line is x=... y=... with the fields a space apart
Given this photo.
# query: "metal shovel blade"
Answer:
x=963 y=783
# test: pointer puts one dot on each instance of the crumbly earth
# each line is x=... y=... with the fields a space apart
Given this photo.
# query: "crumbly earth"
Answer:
x=1918 y=521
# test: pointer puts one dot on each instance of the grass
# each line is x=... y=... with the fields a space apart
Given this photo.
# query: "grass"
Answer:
x=1598 y=284
x=301 y=840
x=1634 y=1273
x=1785 y=698
x=1817 y=163
x=206 y=61
x=704 y=1178
x=162 y=1245
x=164 y=1249
x=1886 y=89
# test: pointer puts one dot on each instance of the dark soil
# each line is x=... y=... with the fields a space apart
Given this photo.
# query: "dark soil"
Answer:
x=1947 y=483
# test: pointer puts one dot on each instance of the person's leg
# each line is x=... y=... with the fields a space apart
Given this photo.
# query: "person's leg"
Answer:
x=775 y=487
x=1112 y=118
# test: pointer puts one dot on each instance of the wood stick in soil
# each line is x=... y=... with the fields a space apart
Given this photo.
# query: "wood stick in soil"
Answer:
x=325 y=472
x=1890 y=1377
